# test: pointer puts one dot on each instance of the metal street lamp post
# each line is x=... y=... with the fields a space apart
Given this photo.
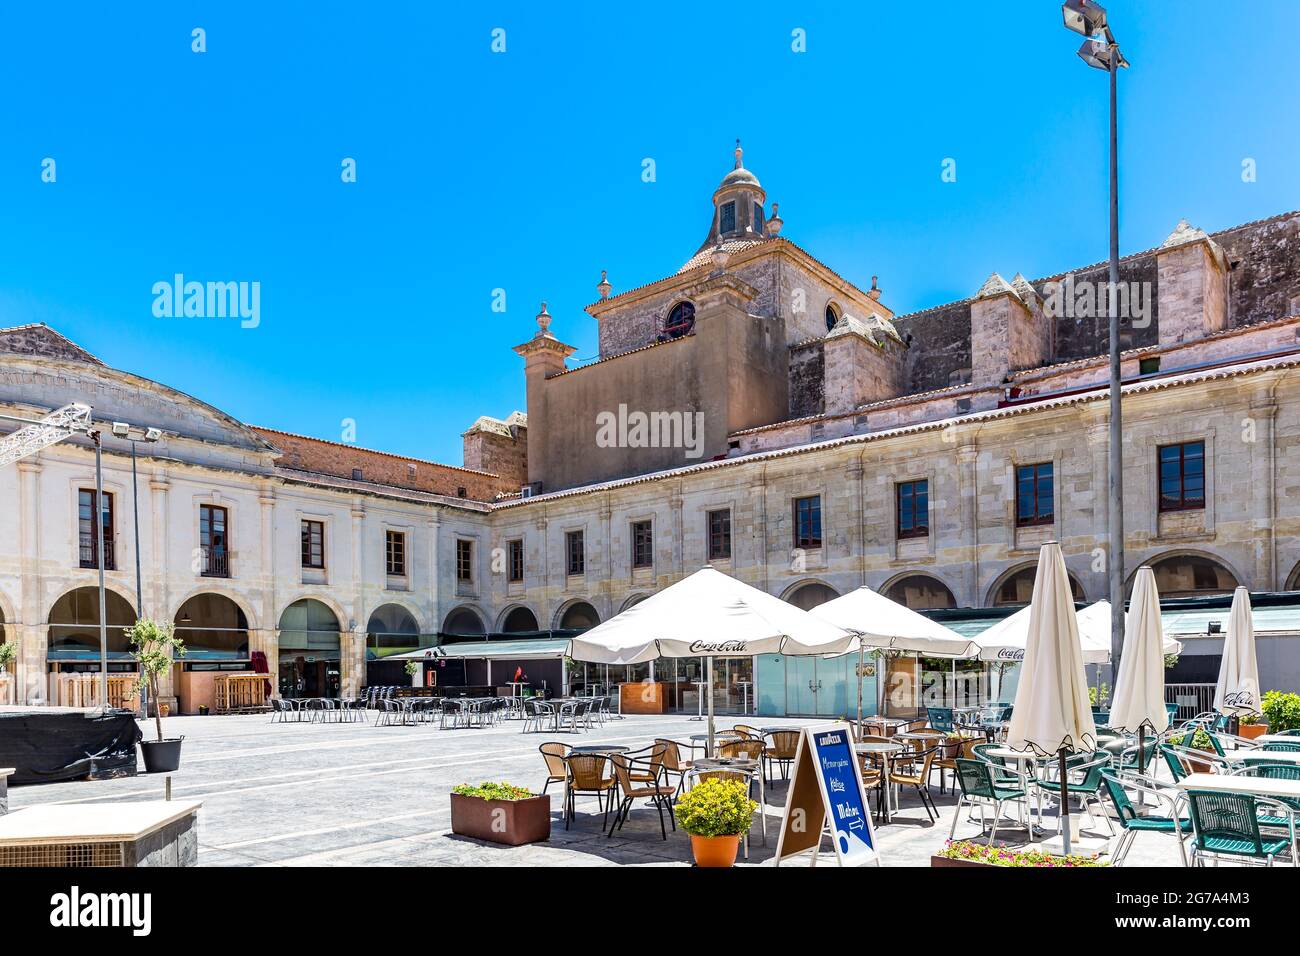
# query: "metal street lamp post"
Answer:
x=1089 y=19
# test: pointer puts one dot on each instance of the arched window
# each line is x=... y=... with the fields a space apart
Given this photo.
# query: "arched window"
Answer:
x=810 y=595
x=519 y=621
x=391 y=629
x=919 y=591
x=832 y=316
x=579 y=617
x=1187 y=575
x=463 y=620
x=310 y=650
x=213 y=627
x=1018 y=588
x=680 y=321
x=74 y=625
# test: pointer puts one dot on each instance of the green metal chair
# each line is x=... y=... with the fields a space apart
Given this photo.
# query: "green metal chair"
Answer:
x=976 y=780
x=1227 y=826
x=1281 y=748
x=1003 y=775
x=1293 y=732
x=1176 y=768
x=1134 y=823
x=1087 y=789
x=1128 y=757
x=940 y=718
x=1272 y=770
x=1172 y=711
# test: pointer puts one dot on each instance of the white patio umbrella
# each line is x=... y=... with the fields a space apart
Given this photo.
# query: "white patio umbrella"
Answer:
x=1237 y=692
x=1138 y=703
x=1052 y=713
x=1007 y=639
x=709 y=614
x=880 y=622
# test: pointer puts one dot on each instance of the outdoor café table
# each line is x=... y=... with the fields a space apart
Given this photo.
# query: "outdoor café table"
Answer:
x=1030 y=774
x=777 y=730
x=1272 y=787
x=743 y=764
x=883 y=752
x=702 y=740
x=517 y=687
x=599 y=749
x=1277 y=739
x=1281 y=756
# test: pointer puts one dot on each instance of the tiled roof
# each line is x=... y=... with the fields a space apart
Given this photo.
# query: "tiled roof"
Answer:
x=369 y=451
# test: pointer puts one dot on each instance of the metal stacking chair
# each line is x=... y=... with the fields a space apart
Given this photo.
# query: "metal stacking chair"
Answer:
x=659 y=792
x=1281 y=747
x=554 y=754
x=941 y=719
x=1227 y=826
x=782 y=747
x=1133 y=823
x=672 y=761
x=1086 y=789
x=975 y=778
x=587 y=774
x=916 y=774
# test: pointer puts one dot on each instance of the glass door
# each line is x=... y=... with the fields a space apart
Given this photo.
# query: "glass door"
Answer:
x=801 y=686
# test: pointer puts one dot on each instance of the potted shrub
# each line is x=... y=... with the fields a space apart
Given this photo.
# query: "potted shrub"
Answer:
x=154 y=647
x=411 y=668
x=1200 y=740
x=715 y=813
x=500 y=813
x=1251 y=727
x=1281 y=711
x=969 y=853
x=8 y=652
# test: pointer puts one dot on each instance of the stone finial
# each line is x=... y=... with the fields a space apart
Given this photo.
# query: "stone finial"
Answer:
x=603 y=286
x=994 y=285
x=739 y=154
x=874 y=292
x=1183 y=233
x=1024 y=289
x=775 y=222
x=543 y=320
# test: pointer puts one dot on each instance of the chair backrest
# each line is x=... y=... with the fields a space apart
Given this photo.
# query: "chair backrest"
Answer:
x=1119 y=797
x=784 y=745
x=622 y=773
x=747 y=749
x=875 y=739
x=1174 y=762
x=1171 y=710
x=721 y=774
x=982 y=751
x=1225 y=816
x=940 y=718
x=1280 y=747
x=975 y=778
x=1101 y=761
x=1278 y=771
x=588 y=771
x=554 y=754
x=672 y=754
x=1217 y=744
x=747 y=731
x=1293 y=732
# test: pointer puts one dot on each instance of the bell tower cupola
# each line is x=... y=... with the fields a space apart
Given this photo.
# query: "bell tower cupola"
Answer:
x=738 y=205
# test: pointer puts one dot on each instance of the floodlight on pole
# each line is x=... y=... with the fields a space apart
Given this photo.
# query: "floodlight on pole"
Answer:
x=1087 y=19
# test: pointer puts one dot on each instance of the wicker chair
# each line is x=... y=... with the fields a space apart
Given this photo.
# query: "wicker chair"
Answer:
x=587 y=775
x=554 y=754
x=751 y=748
x=746 y=731
x=917 y=774
x=646 y=765
x=672 y=761
x=782 y=748
x=660 y=793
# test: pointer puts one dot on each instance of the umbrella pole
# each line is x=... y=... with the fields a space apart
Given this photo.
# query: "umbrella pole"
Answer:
x=861 y=663
x=708 y=677
x=1065 y=807
x=1142 y=749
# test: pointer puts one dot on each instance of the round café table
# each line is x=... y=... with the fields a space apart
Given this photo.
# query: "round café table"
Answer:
x=599 y=749
x=883 y=752
x=744 y=765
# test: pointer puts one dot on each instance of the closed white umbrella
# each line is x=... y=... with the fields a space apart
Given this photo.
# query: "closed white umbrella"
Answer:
x=1237 y=692
x=709 y=614
x=1052 y=713
x=1138 y=703
x=880 y=622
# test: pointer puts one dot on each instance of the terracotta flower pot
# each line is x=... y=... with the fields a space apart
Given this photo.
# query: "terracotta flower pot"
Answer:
x=1251 y=731
x=715 y=851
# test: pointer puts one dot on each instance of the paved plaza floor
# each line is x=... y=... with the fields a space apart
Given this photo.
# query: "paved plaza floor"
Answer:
x=353 y=794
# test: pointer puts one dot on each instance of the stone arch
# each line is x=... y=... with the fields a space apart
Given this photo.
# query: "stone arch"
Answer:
x=390 y=628
x=513 y=618
x=75 y=633
x=411 y=610
x=809 y=593
x=1188 y=573
x=1015 y=586
x=213 y=626
x=339 y=611
x=633 y=601
x=1293 y=580
x=464 y=619
x=919 y=590
x=250 y=614
x=578 y=614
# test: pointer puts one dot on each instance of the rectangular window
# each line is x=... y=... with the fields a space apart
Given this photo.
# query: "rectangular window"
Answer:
x=88 y=546
x=727 y=217
x=575 y=553
x=720 y=534
x=758 y=218
x=808 y=522
x=913 y=509
x=213 y=541
x=1034 y=494
x=313 y=544
x=464 y=560
x=395 y=553
x=643 y=550
x=515 y=560
x=1182 y=476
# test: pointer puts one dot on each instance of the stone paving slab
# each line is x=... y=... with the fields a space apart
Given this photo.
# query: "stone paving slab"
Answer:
x=296 y=794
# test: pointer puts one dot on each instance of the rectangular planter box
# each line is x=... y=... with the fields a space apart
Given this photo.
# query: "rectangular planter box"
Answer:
x=508 y=822
x=944 y=861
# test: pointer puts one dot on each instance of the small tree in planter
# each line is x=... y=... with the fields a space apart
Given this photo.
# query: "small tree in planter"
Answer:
x=411 y=668
x=715 y=812
x=8 y=653
x=151 y=643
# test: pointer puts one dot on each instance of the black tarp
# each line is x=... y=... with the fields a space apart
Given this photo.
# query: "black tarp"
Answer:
x=49 y=746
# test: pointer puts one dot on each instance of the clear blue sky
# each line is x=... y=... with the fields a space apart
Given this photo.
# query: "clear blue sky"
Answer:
x=522 y=171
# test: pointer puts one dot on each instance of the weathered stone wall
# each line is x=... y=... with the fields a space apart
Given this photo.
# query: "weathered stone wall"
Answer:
x=807 y=371
x=503 y=455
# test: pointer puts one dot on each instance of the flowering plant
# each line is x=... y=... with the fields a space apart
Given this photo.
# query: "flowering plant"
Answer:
x=493 y=791
x=1001 y=856
x=716 y=807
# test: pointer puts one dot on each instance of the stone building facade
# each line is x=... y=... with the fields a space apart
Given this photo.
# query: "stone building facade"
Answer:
x=795 y=432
